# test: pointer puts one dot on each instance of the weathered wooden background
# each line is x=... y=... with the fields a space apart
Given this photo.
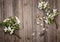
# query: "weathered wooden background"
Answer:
x=27 y=12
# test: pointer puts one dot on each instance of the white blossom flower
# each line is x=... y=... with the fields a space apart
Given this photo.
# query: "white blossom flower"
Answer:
x=46 y=21
x=38 y=22
x=9 y=28
x=41 y=24
x=33 y=33
x=41 y=18
x=5 y=29
x=12 y=31
x=12 y=22
x=40 y=5
x=54 y=10
x=18 y=21
x=45 y=5
x=42 y=2
x=6 y=20
x=47 y=14
x=43 y=28
x=44 y=17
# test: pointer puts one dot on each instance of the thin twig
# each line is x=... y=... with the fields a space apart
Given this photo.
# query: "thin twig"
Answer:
x=17 y=35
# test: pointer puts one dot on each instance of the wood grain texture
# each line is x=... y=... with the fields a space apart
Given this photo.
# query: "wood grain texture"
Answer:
x=1 y=18
x=27 y=12
x=58 y=20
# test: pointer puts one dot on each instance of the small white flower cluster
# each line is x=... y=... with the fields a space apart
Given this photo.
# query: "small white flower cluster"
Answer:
x=50 y=14
x=43 y=5
x=6 y=20
x=11 y=28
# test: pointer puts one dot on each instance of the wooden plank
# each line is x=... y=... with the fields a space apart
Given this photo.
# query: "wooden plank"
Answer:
x=39 y=28
x=55 y=25
x=18 y=11
x=1 y=18
x=7 y=11
x=58 y=20
x=40 y=32
x=34 y=21
x=29 y=23
x=27 y=20
x=26 y=11
x=25 y=15
x=51 y=31
x=15 y=11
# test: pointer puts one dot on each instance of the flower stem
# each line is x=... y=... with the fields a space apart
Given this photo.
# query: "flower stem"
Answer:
x=17 y=36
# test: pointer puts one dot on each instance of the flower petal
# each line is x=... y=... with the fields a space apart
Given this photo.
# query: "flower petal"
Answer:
x=18 y=21
x=9 y=28
x=12 y=31
x=6 y=20
x=5 y=29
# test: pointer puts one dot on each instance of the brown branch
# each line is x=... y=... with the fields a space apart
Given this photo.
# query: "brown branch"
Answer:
x=17 y=36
